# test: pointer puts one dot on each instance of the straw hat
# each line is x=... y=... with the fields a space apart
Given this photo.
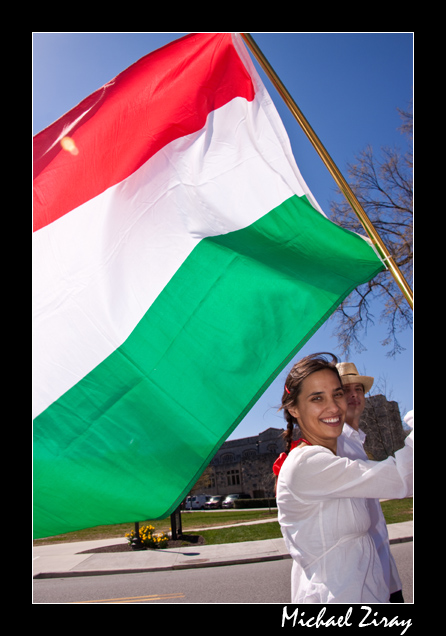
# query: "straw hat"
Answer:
x=349 y=375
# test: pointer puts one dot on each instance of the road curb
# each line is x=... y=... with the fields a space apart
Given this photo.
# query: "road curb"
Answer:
x=199 y=563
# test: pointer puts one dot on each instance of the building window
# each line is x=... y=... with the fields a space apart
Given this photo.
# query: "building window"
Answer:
x=228 y=458
x=249 y=454
x=233 y=478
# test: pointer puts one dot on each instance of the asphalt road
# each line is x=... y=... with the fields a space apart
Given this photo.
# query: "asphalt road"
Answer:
x=267 y=582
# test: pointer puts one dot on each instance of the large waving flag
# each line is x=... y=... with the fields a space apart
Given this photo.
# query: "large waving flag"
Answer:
x=180 y=262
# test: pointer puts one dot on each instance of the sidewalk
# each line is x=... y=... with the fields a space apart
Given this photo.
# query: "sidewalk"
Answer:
x=64 y=559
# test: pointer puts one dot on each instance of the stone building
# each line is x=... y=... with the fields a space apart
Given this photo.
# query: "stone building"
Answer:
x=245 y=465
x=381 y=422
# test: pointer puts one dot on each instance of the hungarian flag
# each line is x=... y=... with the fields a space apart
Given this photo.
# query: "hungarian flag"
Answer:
x=180 y=262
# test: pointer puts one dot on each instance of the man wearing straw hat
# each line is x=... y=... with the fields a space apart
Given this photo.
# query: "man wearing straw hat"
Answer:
x=350 y=444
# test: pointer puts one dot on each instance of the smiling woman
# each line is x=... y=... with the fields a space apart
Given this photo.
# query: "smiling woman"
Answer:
x=314 y=400
x=322 y=498
x=321 y=408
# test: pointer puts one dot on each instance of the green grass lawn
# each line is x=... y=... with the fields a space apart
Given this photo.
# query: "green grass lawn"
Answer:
x=394 y=511
x=241 y=533
x=397 y=510
x=189 y=520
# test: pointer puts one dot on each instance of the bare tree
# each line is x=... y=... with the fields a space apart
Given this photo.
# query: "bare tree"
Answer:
x=384 y=187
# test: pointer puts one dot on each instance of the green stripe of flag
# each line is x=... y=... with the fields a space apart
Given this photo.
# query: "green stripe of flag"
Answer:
x=191 y=370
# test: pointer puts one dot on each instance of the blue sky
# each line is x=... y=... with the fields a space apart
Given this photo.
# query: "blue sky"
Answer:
x=348 y=85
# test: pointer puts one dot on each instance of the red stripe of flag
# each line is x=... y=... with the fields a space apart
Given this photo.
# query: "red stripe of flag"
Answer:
x=162 y=97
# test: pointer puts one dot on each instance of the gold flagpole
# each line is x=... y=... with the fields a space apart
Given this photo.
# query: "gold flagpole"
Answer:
x=332 y=168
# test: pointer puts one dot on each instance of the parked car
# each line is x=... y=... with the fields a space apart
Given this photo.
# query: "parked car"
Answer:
x=198 y=502
x=229 y=500
x=214 y=502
